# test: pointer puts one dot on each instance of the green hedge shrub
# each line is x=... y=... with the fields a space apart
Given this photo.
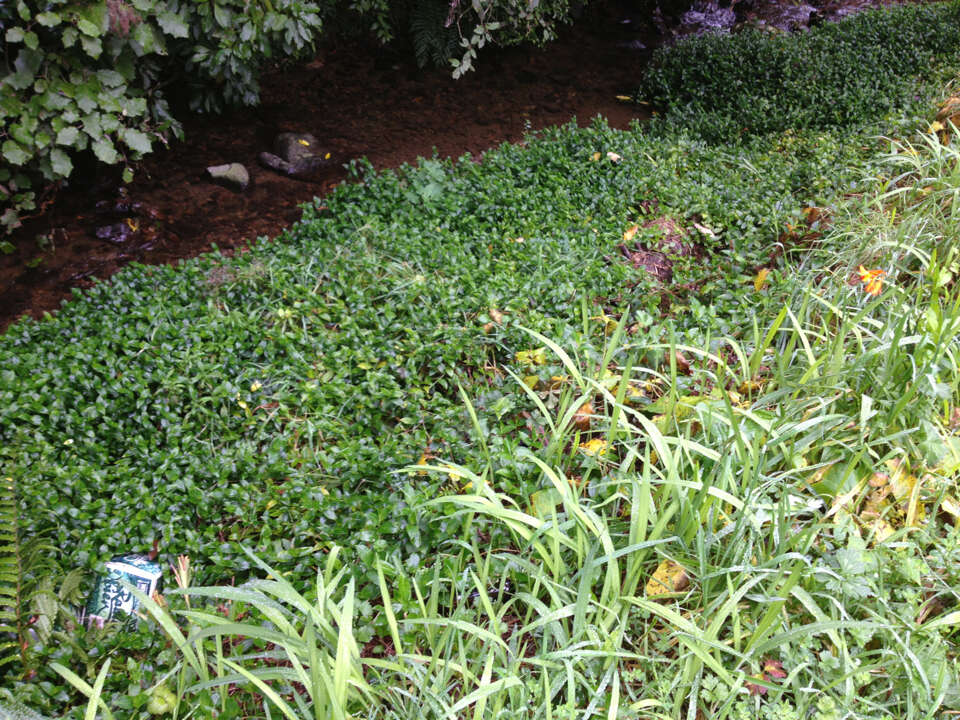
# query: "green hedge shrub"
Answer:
x=849 y=72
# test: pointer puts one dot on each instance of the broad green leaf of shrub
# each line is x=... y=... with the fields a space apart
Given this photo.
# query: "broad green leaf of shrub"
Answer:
x=91 y=46
x=172 y=24
x=68 y=135
x=146 y=39
x=48 y=19
x=93 y=19
x=69 y=37
x=136 y=140
x=62 y=165
x=13 y=153
x=105 y=151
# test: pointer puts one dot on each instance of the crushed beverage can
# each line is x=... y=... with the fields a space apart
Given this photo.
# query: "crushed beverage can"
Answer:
x=110 y=597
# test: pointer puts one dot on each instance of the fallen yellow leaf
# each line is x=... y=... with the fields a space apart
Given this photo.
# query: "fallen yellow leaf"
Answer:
x=630 y=232
x=881 y=530
x=594 y=448
x=669 y=577
x=749 y=386
x=950 y=506
x=901 y=481
x=423 y=460
x=532 y=357
x=609 y=324
x=581 y=419
x=633 y=394
x=596 y=156
x=760 y=281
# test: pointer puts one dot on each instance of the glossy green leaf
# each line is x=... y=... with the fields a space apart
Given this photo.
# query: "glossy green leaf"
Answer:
x=49 y=19
x=105 y=151
x=14 y=153
x=136 y=140
x=61 y=163
x=172 y=24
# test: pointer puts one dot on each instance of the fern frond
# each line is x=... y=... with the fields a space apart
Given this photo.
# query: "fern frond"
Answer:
x=21 y=564
x=10 y=576
x=29 y=603
x=18 y=712
x=433 y=42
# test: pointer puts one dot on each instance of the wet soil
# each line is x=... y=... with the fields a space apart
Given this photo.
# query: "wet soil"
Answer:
x=360 y=100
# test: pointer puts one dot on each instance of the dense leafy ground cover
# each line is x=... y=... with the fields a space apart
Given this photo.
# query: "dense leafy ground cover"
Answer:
x=536 y=481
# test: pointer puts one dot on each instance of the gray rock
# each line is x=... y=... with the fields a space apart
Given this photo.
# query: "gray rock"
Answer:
x=706 y=16
x=294 y=147
x=233 y=176
x=117 y=233
x=784 y=16
x=295 y=155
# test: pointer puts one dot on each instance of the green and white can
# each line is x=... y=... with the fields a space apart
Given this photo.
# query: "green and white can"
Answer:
x=111 y=598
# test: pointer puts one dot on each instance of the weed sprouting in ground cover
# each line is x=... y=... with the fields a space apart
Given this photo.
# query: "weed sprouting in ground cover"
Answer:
x=812 y=591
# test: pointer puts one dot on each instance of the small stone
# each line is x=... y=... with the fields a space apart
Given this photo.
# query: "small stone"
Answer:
x=232 y=176
x=303 y=163
x=275 y=162
x=117 y=233
x=295 y=147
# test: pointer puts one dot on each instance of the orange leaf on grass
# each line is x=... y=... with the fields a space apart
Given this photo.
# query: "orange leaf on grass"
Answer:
x=583 y=416
x=871 y=279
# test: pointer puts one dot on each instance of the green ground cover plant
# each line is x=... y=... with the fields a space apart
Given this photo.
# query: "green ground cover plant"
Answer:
x=441 y=450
